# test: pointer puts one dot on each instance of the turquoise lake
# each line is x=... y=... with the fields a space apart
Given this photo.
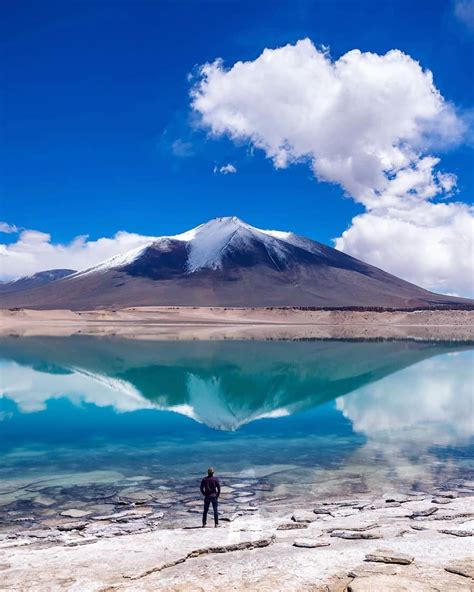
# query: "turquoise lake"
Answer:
x=334 y=417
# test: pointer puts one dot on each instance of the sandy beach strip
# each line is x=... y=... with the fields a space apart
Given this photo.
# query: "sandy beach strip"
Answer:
x=240 y=323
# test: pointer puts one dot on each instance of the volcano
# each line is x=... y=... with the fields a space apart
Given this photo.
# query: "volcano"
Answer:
x=227 y=262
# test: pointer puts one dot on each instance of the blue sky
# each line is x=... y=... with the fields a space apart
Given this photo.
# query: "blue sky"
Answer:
x=98 y=133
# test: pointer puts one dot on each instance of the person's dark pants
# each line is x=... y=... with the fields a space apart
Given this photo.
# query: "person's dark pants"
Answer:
x=207 y=502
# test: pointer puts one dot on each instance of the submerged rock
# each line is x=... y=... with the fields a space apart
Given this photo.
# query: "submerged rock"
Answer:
x=74 y=513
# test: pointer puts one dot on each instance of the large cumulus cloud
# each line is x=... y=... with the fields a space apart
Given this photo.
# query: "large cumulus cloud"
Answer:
x=370 y=123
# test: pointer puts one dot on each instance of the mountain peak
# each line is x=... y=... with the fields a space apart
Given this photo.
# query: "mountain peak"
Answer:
x=227 y=262
x=211 y=239
x=227 y=220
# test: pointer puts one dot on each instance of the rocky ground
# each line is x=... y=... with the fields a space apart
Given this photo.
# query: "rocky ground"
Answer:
x=139 y=539
x=241 y=323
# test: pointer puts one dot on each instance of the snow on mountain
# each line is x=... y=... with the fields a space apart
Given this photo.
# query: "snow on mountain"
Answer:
x=35 y=280
x=206 y=244
x=226 y=262
x=113 y=262
x=210 y=240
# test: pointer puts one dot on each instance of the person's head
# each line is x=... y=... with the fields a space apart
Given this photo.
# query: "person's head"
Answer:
x=210 y=471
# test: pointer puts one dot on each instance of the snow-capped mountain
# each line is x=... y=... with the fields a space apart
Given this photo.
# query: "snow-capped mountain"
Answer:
x=33 y=281
x=227 y=262
x=210 y=245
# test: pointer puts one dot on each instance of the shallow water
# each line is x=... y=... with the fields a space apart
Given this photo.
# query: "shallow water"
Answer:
x=86 y=420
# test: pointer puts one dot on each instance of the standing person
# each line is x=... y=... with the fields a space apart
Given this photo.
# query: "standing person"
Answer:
x=210 y=489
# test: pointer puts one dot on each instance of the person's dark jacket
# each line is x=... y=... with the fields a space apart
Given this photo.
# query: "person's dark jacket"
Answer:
x=210 y=487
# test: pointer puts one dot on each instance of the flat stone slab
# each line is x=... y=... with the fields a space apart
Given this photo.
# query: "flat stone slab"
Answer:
x=357 y=528
x=463 y=567
x=351 y=534
x=292 y=526
x=441 y=500
x=323 y=511
x=137 y=497
x=125 y=515
x=74 y=513
x=230 y=517
x=379 y=583
x=303 y=516
x=72 y=526
x=80 y=542
x=397 y=497
x=41 y=534
x=448 y=494
x=423 y=513
x=43 y=500
x=459 y=532
x=310 y=543
x=389 y=556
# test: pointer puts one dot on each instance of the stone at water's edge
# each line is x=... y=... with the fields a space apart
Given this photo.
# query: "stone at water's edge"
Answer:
x=72 y=526
x=73 y=513
x=388 y=556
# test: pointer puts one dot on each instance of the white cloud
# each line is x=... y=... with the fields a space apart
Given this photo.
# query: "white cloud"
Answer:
x=429 y=244
x=34 y=251
x=8 y=228
x=366 y=122
x=31 y=389
x=464 y=11
x=225 y=169
x=429 y=403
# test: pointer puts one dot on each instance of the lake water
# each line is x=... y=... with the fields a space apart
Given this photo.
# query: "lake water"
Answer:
x=85 y=418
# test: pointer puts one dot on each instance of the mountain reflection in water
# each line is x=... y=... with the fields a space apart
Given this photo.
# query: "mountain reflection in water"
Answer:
x=228 y=384
x=337 y=416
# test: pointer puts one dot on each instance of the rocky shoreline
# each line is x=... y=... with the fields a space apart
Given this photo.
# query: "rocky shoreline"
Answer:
x=139 y=538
